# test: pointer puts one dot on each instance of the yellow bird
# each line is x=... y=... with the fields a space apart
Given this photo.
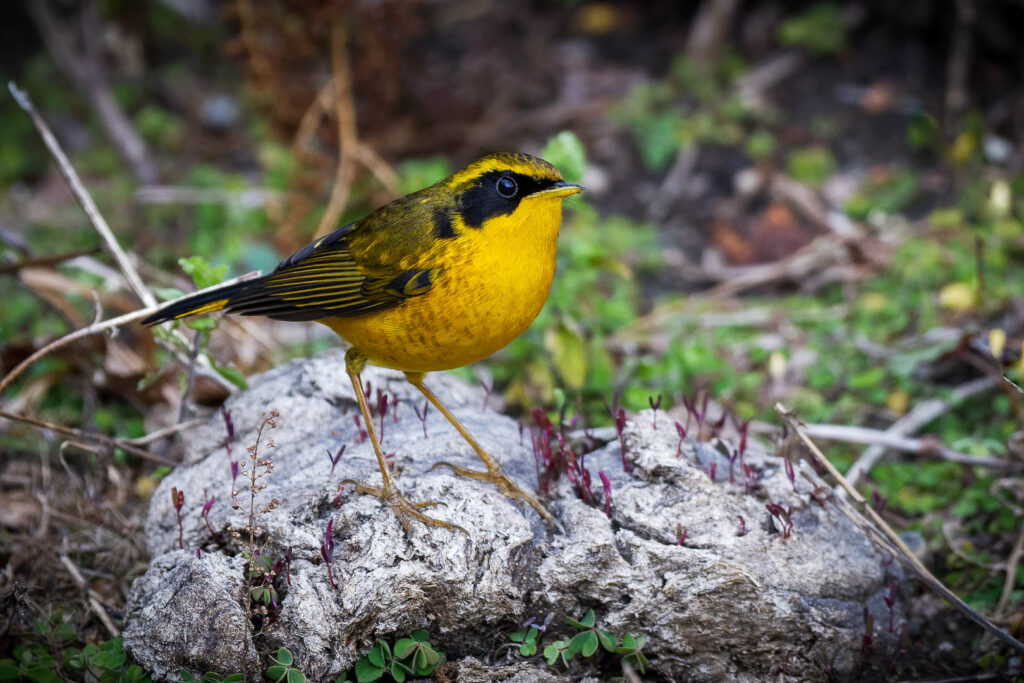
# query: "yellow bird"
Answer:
x=434 y=280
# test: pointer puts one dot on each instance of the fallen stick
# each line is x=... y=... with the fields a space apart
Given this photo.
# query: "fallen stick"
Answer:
x=93 y=597
x=918 y=417
x=83 y=435
x=878 y=528
x=899 y=442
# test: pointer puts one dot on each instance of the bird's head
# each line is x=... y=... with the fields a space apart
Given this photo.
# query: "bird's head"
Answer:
x=510 y=185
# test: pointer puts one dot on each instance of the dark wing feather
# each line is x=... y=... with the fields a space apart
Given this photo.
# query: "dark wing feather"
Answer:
x=324 y=279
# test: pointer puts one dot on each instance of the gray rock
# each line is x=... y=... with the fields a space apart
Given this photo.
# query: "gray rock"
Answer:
x=726 y=606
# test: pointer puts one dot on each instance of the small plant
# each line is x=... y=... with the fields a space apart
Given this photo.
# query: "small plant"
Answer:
x=607 y=486
x=681 y=431
x=327 y=550
x=655 y=404
x=382 y=411
x=282 y=669
x=178 y=501
x=205 y=514
x=422 y=416
x=782 y=516
x=528 y=635
x=590 y=639
x=410 y=657
x=335 y=458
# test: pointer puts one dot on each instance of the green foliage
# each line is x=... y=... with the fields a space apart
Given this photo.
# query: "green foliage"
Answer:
x=410 y=657
x=889 y=195
x=697 y=105
x=202 y=273
x=820 y=30
x=282 y=669
x=588 y=641
x=527 y=637
x=415 y=174
x=811 y=165
x=565 y=152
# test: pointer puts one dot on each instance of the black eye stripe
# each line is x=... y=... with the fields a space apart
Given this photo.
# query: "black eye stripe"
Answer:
x=482 y=200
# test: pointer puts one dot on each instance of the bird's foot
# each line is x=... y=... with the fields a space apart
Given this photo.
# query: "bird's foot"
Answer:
x=507 y=487
x=405 y=509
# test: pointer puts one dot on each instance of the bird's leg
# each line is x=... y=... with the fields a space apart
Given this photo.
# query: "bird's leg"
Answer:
x=355 y=361
x=494 y=473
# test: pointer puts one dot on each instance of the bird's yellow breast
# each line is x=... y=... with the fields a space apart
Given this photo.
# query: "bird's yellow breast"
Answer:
x=491 y=282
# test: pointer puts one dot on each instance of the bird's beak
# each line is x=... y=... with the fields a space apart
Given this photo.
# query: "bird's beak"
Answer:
x=557 y=190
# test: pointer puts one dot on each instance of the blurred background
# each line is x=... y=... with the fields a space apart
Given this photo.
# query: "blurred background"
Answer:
x=819 y=203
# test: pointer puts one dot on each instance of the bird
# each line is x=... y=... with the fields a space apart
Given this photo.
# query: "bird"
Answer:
x=435 y=280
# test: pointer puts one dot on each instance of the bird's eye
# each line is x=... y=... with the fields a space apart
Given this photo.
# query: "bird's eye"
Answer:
x=507 y=186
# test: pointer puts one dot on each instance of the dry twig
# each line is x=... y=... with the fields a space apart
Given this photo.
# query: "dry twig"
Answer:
x=881 y=531
x=900 y=442
x=92 y=596
x=83 y=435
x=917 y=418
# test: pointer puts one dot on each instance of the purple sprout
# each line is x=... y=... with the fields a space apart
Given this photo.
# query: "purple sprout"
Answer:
x=865 y=645
x=783 y=516
x=751 y=478
x=607 y=485
x=335 y=458
x=288 y=566
x=521 y=428
x=878 y=501
x=655 y=404
x=620 y=425
x=422 y=417
x=234 y=472
x=890 y=602
x=743 y=525
x=732 y=462
x=178 y=501
x=394 y=408
x=712 y=469
x=382 y=411
x=681 y=430
x=361 y=433
x=205 y=514
x=790 y=474
x=327 y=551
x=229 y=426
x=681 y=533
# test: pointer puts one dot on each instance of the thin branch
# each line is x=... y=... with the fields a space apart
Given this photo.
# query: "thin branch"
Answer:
x=92 y=596
x=921 y=415
x=899 y=442
x=165 y=432
x=882 y=530
x=1010 y=581
x=347 y=138
x=47 y=261
x=93 y=329
x=83 y=197
x=82 y=435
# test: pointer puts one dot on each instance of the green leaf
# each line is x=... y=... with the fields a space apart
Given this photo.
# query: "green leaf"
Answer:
x=399 y=670
x=528 y=649
x=586 y=622
x=518 y=636
x=367 y=671
x=404 y=647
x=233 y=678
x=584 y=643
x=565 y=344
x=566 y=153
x=421 y=635
x=231 y=374
x=607 y=640
x=296 y=676
x=551 y=654
x=284 y=656
x=379 y=654
x=202 y=273
x=276 y=672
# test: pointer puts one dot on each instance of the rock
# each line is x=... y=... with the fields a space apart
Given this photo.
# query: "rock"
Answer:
x=730 y=604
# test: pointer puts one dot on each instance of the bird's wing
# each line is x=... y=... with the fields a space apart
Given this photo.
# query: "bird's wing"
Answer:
x=329 y=278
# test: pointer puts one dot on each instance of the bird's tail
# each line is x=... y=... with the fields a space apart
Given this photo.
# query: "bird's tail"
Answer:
x=206 y=301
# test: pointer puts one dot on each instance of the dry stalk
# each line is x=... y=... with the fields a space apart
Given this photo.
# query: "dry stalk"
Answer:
x=880 y=530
